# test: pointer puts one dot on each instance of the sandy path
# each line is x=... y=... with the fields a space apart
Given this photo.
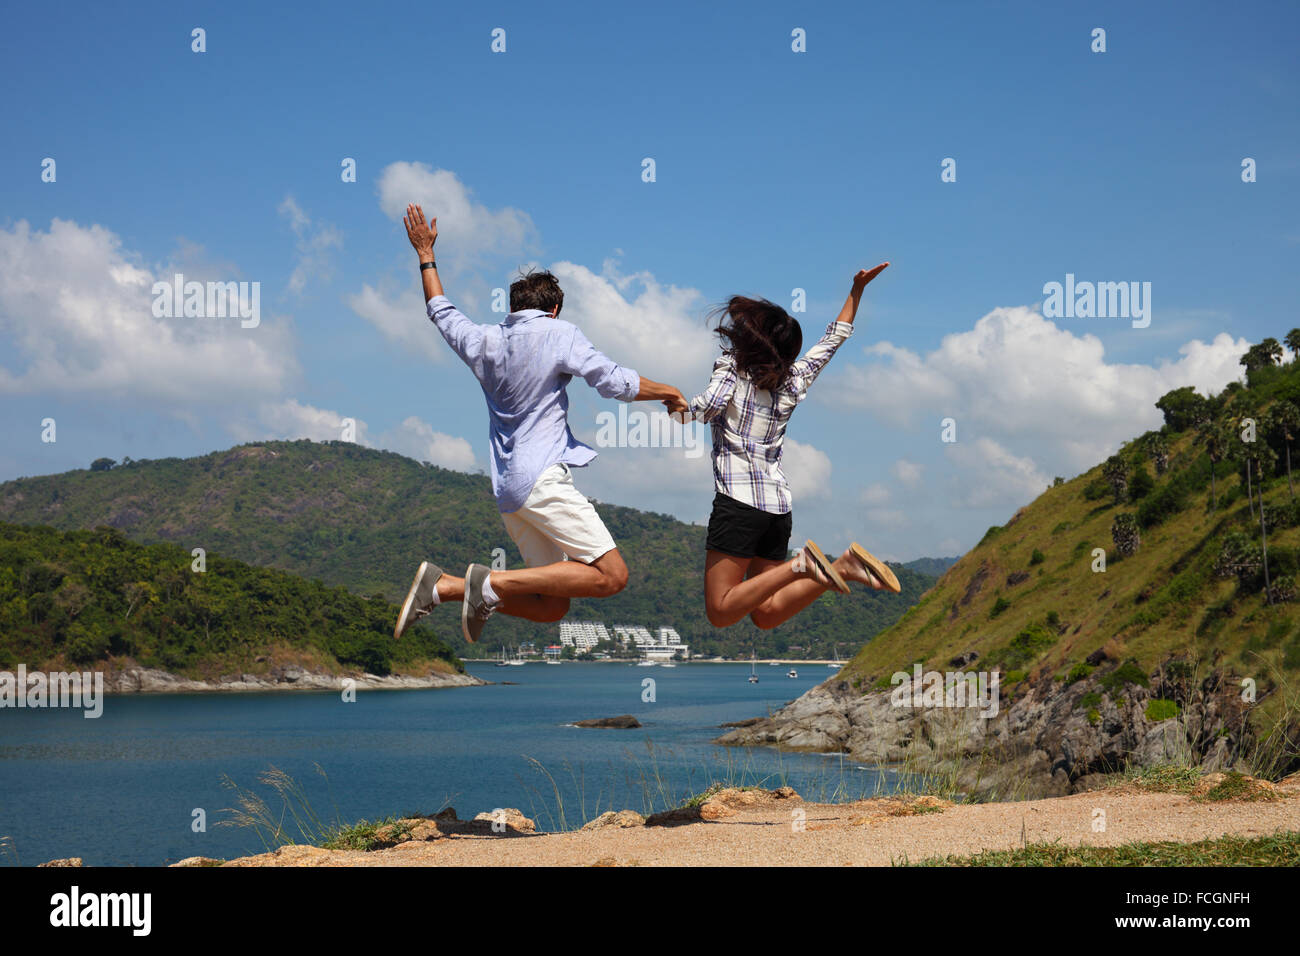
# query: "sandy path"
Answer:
x=837 y=835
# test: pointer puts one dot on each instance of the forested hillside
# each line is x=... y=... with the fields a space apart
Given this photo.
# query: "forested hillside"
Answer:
x=364 y=519
x=75 y=598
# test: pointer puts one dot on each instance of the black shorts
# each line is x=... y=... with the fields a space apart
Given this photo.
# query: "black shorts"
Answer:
x=744 y=531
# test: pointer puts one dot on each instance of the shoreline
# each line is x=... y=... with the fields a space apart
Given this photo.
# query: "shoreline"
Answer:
x=143 y=680
x=780 y=662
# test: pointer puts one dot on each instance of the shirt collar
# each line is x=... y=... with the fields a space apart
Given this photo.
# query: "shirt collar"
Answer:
x=525 y=314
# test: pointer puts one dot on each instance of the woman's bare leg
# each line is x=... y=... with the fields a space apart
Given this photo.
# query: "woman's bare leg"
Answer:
x=735 y=587
x=786 y=602
x=793 y=598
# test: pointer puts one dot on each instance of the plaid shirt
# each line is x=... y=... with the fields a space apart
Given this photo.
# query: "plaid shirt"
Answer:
x=749 y=424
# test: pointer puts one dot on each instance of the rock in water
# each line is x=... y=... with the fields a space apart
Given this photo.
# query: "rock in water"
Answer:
x=622 y=722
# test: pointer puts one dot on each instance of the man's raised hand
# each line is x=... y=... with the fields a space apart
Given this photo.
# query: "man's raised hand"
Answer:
x=422 y=235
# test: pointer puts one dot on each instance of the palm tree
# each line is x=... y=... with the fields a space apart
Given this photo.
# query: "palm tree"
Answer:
x=1115 y=471
x=1292 y=340
x=1257 y=460
x=1284 y=420
x=1214 y=435
x=1158 y=451
x=1266 y=353
x=1263 y=538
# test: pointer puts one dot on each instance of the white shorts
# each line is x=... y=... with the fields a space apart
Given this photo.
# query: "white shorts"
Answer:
x=557 y=522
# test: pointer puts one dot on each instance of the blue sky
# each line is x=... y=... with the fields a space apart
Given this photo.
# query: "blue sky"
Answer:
x=775 y=170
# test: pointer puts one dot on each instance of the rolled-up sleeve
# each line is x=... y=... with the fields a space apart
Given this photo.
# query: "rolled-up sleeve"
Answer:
x=806 y=369
x=606 y=376
x=464 y=337
x=715 y=398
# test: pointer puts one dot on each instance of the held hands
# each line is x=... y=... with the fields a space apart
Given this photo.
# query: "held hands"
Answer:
x=677 y=406
x=422 y=236
x=864 y=276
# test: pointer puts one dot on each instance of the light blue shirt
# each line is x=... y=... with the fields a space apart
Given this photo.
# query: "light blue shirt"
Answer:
x=524 y=366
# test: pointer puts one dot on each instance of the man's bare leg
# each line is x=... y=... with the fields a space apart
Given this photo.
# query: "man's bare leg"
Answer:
x=541 y=594
x=604 y=577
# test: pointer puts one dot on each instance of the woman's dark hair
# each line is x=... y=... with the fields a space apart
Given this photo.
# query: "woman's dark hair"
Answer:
x=761 y=336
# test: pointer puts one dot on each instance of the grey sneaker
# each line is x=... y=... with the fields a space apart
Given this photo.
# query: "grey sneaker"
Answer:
x=419 y=600
x=474 y=611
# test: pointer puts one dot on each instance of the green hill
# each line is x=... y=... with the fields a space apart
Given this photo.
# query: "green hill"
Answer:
x=932 y=566
x=1032 y=599
x=364 y=519
x=78 y=597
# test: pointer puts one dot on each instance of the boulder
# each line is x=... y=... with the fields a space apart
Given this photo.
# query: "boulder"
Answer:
x=69 y=861
x=514 y=820
x=622 y=722
x=621 y=819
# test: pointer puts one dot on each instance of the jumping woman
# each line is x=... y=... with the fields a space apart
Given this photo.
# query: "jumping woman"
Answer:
x=756 y=385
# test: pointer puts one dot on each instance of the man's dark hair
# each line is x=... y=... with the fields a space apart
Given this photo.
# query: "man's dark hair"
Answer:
x=536 y=290
x=763 y=338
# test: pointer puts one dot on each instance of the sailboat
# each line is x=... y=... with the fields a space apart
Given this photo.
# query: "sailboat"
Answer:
x=838 y=663
x=503 y=662
x=753 y=677
x=517 y=660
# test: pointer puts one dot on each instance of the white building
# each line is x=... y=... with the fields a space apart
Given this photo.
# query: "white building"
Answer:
x=665 y=645
x=582 y=635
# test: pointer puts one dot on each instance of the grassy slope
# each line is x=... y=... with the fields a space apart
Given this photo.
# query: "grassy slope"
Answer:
x=1162 y=601
x=364 y=519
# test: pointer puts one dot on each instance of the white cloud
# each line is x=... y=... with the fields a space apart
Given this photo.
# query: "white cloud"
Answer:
x=76 y=311
x=658 y=330
x=1021 y=380
x=808 y=470
x=400 y=315
x=417 y=439
x=908 y=472
x=314 y=243
x=989 y=475
x=467 y=228
x=874 y=494
x=414 y=438
x=290 y=419
x=469 y=233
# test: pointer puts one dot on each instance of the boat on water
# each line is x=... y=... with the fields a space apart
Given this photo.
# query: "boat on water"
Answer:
x=792 y=673
x=667 y=664
x=551 y=660
x=837 y=663
x=503 y=662
x=753 y=677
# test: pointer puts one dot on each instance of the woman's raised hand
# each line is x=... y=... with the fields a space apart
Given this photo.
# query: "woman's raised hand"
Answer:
x=864 y=276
